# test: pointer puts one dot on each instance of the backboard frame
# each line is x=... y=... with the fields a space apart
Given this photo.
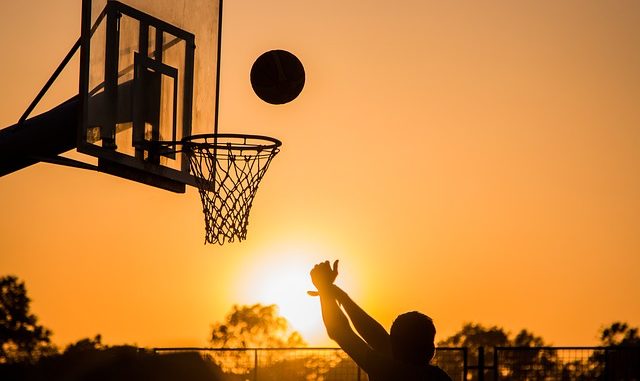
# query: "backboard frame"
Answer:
x=144 y=165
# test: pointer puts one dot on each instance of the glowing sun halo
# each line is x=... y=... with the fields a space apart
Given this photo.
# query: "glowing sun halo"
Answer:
x=285 y=283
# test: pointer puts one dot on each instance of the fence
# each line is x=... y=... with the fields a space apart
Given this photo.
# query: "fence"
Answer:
x=306 y=364
x=555 y=364
x=567 y=363
x=497 y=364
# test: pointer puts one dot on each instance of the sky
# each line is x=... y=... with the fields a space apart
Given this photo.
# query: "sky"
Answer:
x=476 y=161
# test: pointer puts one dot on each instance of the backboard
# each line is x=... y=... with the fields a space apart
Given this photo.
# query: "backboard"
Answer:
x=149 y=72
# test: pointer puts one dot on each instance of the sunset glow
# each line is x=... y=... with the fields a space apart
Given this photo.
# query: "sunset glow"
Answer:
x=477 y=161
x=282 y=278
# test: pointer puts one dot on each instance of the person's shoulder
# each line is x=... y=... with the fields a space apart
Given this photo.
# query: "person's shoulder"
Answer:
x=436 y=373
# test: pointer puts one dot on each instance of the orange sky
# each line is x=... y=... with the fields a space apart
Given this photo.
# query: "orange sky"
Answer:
x=477 y=161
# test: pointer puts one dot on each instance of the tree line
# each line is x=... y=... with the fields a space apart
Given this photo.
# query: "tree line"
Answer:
x=26 y=347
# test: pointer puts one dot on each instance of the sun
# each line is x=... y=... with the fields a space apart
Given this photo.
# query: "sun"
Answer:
x=285 y=282
x=287 y=288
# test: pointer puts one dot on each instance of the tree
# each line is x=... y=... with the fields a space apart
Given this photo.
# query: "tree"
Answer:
x=620 y=360
x=514 y=365
x=619 y=334
x=525 y=338
x=86 y=345
x=256 y=326
x=474 y=336
x=89 y=360
x=21 y=337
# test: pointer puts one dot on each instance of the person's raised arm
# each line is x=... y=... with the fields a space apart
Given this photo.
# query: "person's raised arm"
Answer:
x=371 y=331
x=336 y=323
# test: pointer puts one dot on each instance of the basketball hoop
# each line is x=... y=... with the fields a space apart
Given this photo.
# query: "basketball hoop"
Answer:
x=227 y=169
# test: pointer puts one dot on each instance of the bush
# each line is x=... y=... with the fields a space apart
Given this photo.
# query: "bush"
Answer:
x=122 y=363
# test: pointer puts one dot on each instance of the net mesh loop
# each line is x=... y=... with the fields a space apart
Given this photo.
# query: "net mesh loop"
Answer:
x=228 y=169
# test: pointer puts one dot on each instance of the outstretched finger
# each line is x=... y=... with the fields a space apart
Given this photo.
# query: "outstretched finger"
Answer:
x=335 y=266
x=313 y=293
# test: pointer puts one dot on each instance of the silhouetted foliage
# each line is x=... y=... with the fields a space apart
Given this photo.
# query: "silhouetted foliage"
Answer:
x=88 y=360
x=256 y=326
x=281 y=364
x=21 y=337
x=619 y=334
x=525 y=338
x=305 y=365
x=474 y=336
x=621 y=360
x=515 y=367
x=86 y=345
x=525 y=357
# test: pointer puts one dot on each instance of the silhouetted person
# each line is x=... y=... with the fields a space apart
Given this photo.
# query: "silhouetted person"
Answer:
x=402 y=355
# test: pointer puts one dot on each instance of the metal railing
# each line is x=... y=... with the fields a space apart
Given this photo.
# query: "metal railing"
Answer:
x=496 y=363
x=305 y=364
x=554 y=364
x=566 y=363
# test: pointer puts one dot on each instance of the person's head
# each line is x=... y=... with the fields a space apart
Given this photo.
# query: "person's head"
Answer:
x=412 y=338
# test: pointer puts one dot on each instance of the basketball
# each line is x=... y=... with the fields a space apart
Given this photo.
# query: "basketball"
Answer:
x=277 y=77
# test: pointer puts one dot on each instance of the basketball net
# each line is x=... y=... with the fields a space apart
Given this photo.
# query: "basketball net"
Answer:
x=228 y=169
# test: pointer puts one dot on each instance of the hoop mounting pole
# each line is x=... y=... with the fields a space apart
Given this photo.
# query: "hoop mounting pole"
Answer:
x=218 y=70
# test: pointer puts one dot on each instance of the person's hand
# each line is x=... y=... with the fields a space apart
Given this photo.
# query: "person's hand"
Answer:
x=323 y=276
